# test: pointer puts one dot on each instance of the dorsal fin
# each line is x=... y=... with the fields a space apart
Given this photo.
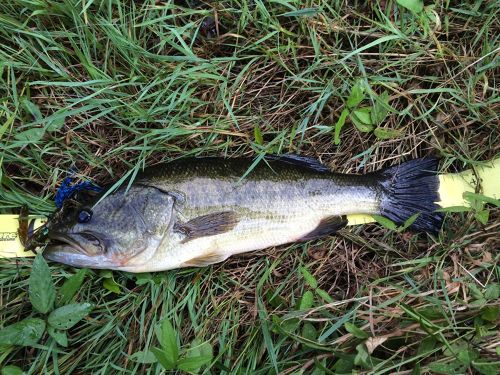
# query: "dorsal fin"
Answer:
x=301 y=161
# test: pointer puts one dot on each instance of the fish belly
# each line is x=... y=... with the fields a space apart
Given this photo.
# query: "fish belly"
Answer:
x=248 y=235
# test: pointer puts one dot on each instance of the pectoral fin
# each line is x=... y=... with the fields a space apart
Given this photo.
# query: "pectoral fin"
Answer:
x=208 y=225
x=326 y=226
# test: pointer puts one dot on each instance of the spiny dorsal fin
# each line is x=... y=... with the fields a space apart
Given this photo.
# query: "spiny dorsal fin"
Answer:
x=301 y=161
x=328 y=225
x=208 y=225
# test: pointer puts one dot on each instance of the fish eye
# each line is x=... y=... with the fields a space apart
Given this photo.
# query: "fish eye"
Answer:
x=84 y=216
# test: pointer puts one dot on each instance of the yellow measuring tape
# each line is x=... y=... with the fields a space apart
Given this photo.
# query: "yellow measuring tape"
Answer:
x=452 y=188
x=10 y=246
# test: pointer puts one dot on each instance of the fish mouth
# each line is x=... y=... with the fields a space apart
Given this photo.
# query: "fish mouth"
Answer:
x=62 y=248
x=61 y=242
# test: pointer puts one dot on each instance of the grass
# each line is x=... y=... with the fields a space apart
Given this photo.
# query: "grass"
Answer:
x=109 y=86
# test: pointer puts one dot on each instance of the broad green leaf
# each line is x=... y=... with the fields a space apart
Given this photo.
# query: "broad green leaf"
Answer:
x=481 y=327
x=60 y=336
x=320 y=368
x=471 y=197
x=479 y=302
x=338 y=126
x=107 y=274
x=382 y=133
x=357 y=95
x=198 y=348
x=344 y=365
x=70 y=287
x=30 y=135
x=362 y=357
x=166 y=363
x=385 y=222
x=32 y=108
x=11 y=370
x=67 y=316
x=492 y=291
x=416 y=6
x=258 y=135
x=360 y=125
x=324 y=294
x=275 y=300
x=466 y=356
x=111 y=285
x=24 y=333
x=490 y=313
x=168 y=340
x=380 y=108
x=42 y=292
x=452 y=349
x=476 y=293
x=310 y=280
x=145 y=357
x=426 y=345
x=143 y=278
x=355 y=331
x=410 y=221
x=306 y=301
x=482 y=216
x=486 y=368
x=192 y=364
x=290 y=325
x=309 y=332
x=363 y=115
x=56 y=121
x=446 y=368
x=206 y=349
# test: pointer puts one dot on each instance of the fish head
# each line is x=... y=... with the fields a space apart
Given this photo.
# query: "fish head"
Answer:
x=119 y=231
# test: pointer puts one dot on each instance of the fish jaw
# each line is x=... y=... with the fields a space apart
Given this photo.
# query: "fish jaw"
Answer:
x=69 y=251
x=72 y=256
x=146 y=259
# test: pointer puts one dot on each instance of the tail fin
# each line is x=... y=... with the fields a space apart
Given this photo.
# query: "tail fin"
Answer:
x=411 y=188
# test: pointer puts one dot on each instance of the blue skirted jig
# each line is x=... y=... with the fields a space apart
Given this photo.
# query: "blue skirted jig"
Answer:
x=66 y=189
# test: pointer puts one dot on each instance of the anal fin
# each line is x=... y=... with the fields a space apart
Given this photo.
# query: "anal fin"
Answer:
x=328 y=225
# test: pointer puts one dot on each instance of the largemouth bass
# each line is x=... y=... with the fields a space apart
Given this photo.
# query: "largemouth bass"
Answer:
x=196 y=212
